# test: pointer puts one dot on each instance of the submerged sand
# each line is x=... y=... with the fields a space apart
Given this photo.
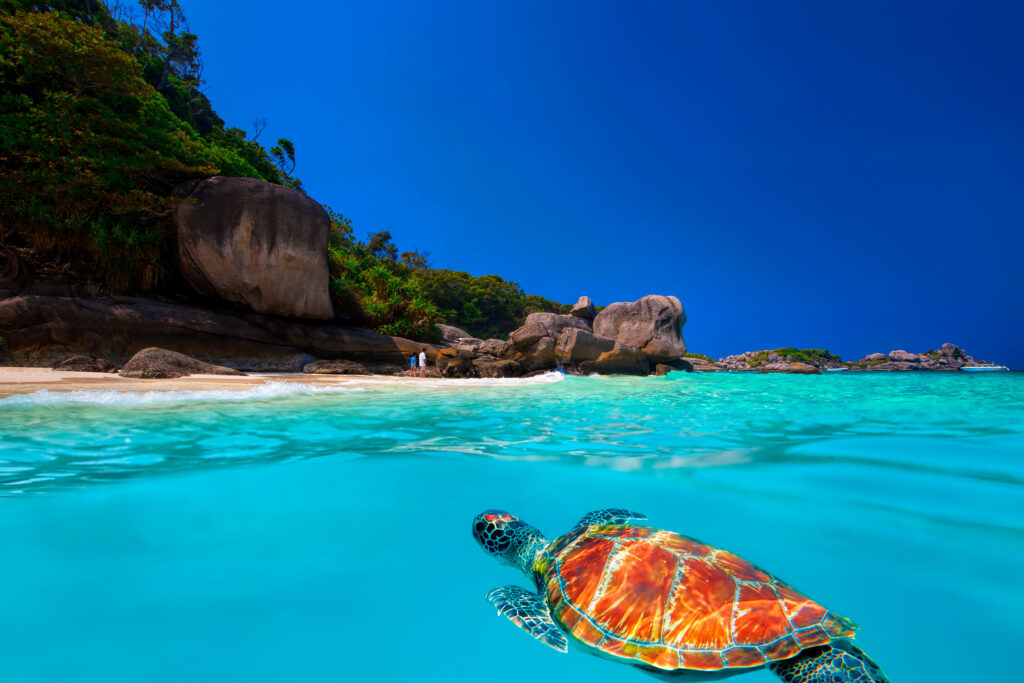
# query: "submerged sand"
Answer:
x=27 y=380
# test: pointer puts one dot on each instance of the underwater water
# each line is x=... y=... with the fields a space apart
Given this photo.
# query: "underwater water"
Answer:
x=292 y=533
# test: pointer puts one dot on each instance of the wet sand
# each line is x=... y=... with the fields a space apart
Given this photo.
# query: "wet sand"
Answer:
x=27 y=380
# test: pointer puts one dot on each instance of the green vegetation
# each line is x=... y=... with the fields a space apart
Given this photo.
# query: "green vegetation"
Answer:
x=700 y=356
x=791 y=355
x=487 y=306
x=102 y=118
x=373 y=284
x=372 y=287
x=99 y=121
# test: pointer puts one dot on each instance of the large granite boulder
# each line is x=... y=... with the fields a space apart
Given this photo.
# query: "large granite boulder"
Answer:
x=527 y=335
x=486 y=367
x=618 y=361
x=653 y=324
x=554 y=323
x=584 y=308
x=952 y=350
x=455 y=366
x=255 y=243
x=334 y=367
x=452 y=334
x=904 y=357
x=874 y=356
x=493 y=347
x=799 y=368
x=154 y=363
x=539 y=356
x=575 y=346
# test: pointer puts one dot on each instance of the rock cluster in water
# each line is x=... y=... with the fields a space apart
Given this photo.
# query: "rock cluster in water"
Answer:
x=947 y=357
x=628 y=338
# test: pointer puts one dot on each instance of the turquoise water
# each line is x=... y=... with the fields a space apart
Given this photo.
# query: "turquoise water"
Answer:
x=287 y=533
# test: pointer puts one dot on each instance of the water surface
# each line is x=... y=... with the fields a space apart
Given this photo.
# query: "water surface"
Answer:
x=290 y=533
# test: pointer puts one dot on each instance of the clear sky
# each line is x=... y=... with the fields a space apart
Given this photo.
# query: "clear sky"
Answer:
x=841 y=175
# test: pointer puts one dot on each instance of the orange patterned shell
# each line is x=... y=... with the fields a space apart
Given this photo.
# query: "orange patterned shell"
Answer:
x=670 y=602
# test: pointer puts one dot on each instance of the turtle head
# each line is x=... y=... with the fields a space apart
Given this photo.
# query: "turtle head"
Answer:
x=509 y=539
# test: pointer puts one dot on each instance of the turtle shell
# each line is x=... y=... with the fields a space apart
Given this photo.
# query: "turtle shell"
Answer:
x=666 y=601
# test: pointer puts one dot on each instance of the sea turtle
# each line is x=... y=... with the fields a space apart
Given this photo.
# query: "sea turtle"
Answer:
x=666 y=603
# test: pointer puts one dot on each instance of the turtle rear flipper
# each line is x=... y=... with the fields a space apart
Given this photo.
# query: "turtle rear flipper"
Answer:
x=609 y=516
x=838 y=662
x=529 y=612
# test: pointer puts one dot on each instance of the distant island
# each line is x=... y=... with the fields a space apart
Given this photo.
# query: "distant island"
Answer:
x=134 y=219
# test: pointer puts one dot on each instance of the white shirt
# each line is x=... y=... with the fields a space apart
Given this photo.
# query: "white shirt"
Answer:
x=423 y=359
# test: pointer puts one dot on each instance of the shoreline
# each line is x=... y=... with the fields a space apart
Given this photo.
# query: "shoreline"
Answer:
x=15 y=380
x=27 y=380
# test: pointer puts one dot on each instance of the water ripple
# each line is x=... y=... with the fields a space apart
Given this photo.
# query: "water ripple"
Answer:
x=954 y=427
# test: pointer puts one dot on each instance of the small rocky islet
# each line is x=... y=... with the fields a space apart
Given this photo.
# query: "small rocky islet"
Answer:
x=254 y=253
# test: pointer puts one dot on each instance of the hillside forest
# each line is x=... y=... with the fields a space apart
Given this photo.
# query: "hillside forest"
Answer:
x=102 y=117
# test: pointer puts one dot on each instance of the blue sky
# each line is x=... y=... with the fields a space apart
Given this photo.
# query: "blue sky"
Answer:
x=840 y=175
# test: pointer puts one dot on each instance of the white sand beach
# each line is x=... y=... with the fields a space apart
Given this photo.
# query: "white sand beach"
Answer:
x=18 y=380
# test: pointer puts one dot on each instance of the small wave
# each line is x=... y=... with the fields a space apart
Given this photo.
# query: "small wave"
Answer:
x=545 y=378
x=269 y=390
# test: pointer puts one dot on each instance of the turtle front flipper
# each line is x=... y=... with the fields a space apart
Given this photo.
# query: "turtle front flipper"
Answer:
x=529 y=612
x=609 y=516
x=838 y=662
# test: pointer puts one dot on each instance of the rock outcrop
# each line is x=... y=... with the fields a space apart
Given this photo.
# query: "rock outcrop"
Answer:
x=575 y=346
x=334 y=367
x=634 y=336
x=455 y=366
x=493 y=347
x=554 y=323
x=619 y=361
x=948 y=357
x=41 y=330
x=451 y=334
x=486 y=367
x=653 y=324
x=703 y=365
x=951 y=351
x=255 y=243
x=681 y=365
x=584 y=308
x=79 y=363
x=155 y=363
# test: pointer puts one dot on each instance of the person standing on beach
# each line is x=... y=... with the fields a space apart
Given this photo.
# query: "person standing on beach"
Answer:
x=412 y=365
x=423 y=362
